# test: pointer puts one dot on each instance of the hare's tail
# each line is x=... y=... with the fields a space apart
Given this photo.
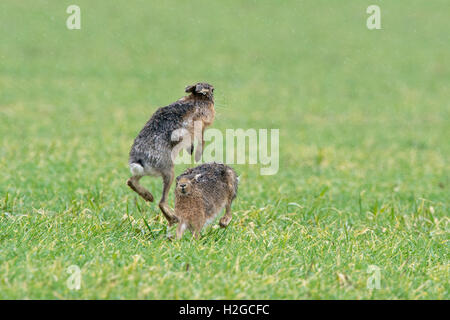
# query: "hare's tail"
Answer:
x=136 y=169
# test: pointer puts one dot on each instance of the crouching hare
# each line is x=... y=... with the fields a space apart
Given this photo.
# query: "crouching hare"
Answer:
x=201 y=193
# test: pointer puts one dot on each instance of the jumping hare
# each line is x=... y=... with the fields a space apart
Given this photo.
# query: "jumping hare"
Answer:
x=168 y=130
x=201 y=193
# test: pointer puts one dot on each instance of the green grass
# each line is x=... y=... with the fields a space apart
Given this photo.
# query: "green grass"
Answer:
x=364 y=148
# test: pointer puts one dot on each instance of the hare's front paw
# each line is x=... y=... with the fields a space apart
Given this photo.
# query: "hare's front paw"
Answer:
x=224 y=222
x=198 y=155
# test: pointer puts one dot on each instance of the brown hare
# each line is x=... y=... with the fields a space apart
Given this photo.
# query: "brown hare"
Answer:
x=201 y=193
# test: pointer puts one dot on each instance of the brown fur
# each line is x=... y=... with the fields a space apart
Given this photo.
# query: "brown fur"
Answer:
x=201 y=193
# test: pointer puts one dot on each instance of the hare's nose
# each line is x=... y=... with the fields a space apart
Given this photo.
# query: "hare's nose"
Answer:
x=183 y=185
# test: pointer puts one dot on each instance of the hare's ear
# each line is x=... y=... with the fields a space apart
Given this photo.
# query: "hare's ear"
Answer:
x=197 y=176
x=190 y=89
x=201 y=89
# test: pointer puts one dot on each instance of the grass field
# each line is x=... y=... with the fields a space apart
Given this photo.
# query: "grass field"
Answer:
x=364 y=119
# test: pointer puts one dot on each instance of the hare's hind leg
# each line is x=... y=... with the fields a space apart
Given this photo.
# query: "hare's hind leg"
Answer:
x=225 y=220
x=133 y=183
x=168 y=213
